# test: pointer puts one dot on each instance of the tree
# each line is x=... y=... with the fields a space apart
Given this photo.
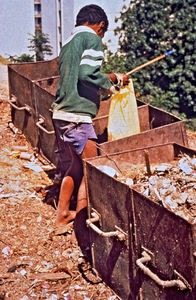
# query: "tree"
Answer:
x=150 y=28
x=40 y=45
x=24 y=58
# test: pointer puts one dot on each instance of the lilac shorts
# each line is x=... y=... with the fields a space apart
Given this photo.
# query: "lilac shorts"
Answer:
x=76 y=135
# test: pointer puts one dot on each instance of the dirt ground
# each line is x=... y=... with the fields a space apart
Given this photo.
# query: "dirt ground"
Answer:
x=33 y=264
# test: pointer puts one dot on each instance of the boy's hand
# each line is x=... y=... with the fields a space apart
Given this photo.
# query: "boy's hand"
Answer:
x=125 y=79
x=107 y=93
x=119 y=79
x=122 y=79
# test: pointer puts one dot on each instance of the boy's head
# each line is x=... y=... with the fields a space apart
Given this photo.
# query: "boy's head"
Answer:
x=92 y=14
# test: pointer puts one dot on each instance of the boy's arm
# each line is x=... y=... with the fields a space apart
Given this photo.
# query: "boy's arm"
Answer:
x=90 y=67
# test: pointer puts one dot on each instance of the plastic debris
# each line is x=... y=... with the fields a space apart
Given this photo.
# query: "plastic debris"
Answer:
x=171 y=185
x=184 y=166
x=108 y=170
x=67 y=296
x=13 y=128
x=26 y=156
x=32 y=166
x=7 y=251
x=7 y=195
x=23 y=272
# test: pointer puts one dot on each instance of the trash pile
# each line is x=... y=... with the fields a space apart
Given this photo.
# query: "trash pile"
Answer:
x=172 y=185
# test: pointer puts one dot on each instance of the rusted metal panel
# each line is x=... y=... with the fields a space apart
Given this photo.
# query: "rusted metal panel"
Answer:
x=169 y=240
x=163 y=128
x=21 y=78
x=112 y=258
x=36 y=70
x=23 y=105
x=46 y=134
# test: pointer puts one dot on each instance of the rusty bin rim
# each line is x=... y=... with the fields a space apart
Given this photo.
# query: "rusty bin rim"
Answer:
x=135 y=149
x=88 y=161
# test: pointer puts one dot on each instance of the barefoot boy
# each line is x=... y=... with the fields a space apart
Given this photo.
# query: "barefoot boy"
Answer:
x=77 y=102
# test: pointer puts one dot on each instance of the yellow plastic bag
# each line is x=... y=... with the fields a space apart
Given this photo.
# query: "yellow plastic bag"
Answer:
x=123 y=118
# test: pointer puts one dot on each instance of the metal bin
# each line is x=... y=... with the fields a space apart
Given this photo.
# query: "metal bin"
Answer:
x=139 y=248
x=21 y=79
x=156 y=127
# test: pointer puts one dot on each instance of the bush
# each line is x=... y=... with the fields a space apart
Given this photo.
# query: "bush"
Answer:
x=150 y=28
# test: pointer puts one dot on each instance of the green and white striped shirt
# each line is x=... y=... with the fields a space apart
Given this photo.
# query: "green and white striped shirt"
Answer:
x=81 y=78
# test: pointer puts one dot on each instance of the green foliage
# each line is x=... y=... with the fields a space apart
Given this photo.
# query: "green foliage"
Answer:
x=39 y=43
x=114 y=63
x=22 y=58
x=150 y=28
x=25 y=58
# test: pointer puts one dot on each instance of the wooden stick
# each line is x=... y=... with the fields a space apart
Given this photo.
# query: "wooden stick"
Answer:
x=147 y=161
x=150 y=62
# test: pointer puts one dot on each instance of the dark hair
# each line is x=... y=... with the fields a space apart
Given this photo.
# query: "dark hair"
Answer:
x=93 y=14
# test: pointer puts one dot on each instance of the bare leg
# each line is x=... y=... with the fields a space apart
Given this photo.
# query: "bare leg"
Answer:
x=80 y=228
x=70 y=182
x=90 y=150
x=64 y=215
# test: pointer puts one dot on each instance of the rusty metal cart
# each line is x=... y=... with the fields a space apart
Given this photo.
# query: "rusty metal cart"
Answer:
x=139 y=248
x=32 y=88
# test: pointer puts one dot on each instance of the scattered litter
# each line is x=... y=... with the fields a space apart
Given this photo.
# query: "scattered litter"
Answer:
x=7 y=251
x=7 y=195
x=108 y=170
x=19 y=148
x=171 y=185
x=39 y=219
x=32 y=166
x=48 y=265
x=112 y=298
x=23 y=272
x=129 y=181
x=33 y=295
x=33 y=195
x=13 y=128
x=47 y=167
x=26 y=156
x=184 y=166
x=67 y=296
x=23 y=227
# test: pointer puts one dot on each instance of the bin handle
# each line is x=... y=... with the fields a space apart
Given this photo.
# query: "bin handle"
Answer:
x=13 y=100
x=164 y=283
x=39 y=124
x=95 y=218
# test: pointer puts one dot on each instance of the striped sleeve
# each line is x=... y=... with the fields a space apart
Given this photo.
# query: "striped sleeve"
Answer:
x=90 y=68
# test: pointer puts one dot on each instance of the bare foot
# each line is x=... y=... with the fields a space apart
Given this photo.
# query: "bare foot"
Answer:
x=63 y=221
x=63 y=229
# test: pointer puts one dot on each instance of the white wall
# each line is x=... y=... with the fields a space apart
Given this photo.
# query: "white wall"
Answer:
x=16 y=21
x=49 y=24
